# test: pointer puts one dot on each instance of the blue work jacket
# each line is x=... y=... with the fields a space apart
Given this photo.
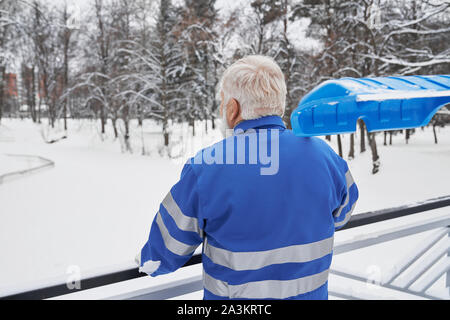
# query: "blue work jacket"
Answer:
x=265 y=205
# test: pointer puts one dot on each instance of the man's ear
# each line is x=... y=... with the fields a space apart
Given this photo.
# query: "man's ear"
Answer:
x=233 y=113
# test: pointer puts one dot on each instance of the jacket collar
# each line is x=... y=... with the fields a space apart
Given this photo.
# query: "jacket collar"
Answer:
x=267 y=122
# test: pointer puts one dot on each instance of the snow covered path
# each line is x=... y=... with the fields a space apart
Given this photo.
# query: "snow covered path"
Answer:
x=13 y=165
x=95 y=207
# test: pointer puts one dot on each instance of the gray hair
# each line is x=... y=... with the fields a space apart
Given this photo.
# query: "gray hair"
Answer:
x=258 y=84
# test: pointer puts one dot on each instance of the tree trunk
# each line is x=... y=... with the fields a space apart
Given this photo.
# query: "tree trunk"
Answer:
x=166 y=139
x=407 y=135
x=165 y=130
x=114 y=125
x=434 y=133
x=166 y=134
x=33 y=95
x=66 y=83
x=373 y=148
x=39 y=112
x=140 y=115
x=127 y=135
x=339 y=145
x=67 y=36
x=102 y=119
x=385 y=138
x=390 y=138
x=65 y=115
x=362 y=128
x=51 y=117
x=351 y=153
x=126 y=121
x=52 y=112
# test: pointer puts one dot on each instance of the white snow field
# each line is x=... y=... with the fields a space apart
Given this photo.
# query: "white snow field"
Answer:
x=92 y=211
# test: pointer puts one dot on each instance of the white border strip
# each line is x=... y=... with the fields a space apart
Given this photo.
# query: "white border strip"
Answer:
x=398 y=95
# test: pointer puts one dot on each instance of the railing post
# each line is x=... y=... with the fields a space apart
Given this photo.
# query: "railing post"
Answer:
x=448 y=272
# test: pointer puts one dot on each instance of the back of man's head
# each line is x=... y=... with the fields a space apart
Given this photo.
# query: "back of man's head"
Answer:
x=258 y=84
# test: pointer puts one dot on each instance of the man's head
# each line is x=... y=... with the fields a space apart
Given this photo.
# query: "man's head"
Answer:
x=251 y=88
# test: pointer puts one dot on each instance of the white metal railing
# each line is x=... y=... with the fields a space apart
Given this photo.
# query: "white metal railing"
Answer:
x=130 y=284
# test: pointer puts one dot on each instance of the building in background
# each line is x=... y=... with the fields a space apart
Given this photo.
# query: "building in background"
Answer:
x=11 y=93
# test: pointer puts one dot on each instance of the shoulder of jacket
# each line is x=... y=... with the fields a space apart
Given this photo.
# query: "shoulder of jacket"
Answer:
x=197 y=163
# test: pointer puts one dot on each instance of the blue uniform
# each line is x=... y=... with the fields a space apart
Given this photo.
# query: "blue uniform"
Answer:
x=265 y=204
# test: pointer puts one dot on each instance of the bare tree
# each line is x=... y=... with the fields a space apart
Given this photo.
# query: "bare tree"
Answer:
x=351 y=153
x=67 y=31
x=156 y=69
x=43 y=32
x=8 y=9
x=96 y=77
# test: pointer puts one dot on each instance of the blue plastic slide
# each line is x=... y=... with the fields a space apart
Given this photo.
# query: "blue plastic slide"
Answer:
x=384 y=103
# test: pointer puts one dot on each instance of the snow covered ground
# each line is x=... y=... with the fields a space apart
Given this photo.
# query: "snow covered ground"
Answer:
x=94 y=208
x=14 y=163
x=410 y=172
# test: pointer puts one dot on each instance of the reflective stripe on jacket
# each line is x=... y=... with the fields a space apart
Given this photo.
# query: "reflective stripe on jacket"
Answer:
x=265 y=234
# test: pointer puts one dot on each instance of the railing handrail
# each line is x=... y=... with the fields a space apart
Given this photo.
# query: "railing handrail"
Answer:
x=133 y=273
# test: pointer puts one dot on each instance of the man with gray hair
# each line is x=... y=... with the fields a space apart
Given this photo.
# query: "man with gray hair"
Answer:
x=264 y=203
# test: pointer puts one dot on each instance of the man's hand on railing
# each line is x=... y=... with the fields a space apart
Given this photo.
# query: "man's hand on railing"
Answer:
x=148 y=267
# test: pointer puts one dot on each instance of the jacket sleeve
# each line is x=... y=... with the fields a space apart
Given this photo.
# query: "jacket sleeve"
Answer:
x=175 y=232
x=348 y=195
